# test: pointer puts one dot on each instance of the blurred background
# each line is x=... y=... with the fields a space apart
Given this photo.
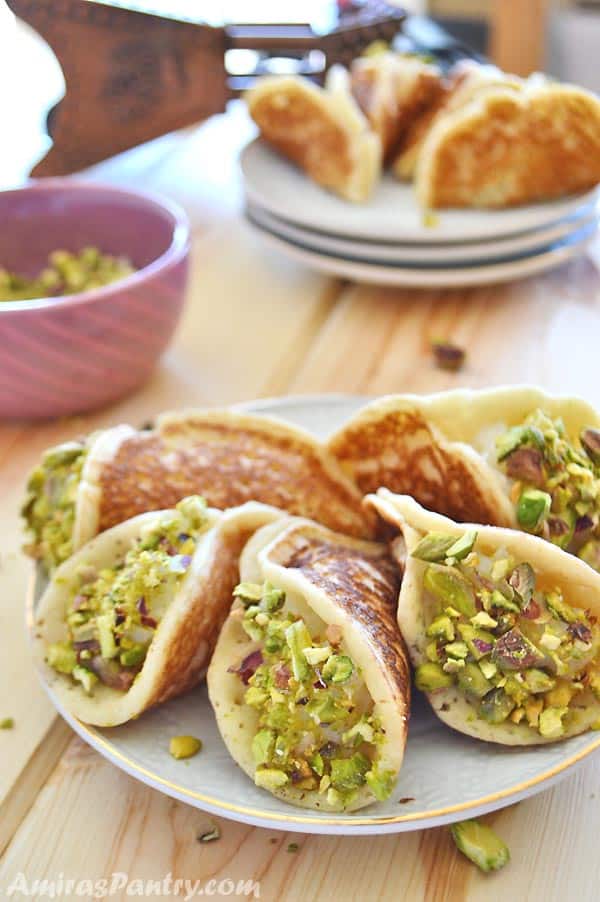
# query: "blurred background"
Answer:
x=561 y=37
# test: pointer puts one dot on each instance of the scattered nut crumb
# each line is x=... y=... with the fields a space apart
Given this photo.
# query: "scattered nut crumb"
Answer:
x=184 y=746
x=7 y=724
x=209 y=835
x=448 y=356
x=405 y=800
x=293 y=847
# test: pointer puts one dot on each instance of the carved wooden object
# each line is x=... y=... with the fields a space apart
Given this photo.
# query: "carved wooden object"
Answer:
x=132 y=75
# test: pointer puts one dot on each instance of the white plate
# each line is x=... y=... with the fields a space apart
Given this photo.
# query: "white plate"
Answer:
x=433 y=255
x=429 y=277
x=446 y=776
x=392 y=214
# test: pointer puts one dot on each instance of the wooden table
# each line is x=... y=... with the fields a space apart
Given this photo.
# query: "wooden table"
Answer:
x=256 y=325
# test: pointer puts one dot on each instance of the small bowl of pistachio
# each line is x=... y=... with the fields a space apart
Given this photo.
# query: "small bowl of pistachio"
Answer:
x=92 y=285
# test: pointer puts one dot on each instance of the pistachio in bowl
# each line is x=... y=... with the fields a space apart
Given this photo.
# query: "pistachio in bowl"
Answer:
x=65 y=273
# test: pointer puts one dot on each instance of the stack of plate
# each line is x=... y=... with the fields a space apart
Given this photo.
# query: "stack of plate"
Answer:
x=388 y=241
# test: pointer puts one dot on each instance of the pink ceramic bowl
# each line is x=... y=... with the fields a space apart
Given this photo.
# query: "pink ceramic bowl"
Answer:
x=62 y=356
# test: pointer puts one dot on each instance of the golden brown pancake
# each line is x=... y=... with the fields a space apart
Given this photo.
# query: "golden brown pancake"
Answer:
x=186 y=635
x=466 y=80
x=227 y=457
x=395 y=443
x=507 y=148
x=321 y=130
x=328 y=580
x=416 y=608
x=391 y=90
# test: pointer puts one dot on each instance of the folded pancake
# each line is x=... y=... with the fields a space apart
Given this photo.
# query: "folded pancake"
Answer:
x=82 y=488
x=506 y=457
x=465 y=81
x=322 y=130
x=509 y=147
x=391 y=90
x=501 y=627
x=132 y=618
x=309 y=680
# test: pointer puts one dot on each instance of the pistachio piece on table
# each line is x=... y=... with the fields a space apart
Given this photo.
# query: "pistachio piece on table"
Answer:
x=480 y=845
x=448 y=356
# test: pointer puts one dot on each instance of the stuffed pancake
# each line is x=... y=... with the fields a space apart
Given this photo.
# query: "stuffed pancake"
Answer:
x=502 y=627
x=131 y=619
x=309 y=680
x=82 y=488
x=506 y=457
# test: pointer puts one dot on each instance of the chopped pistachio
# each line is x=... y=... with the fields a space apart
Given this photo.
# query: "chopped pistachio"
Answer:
x=213 y=833
x=430 y=676
x=433 y=547
x=451 y=588
x=522 y=581
x=590 y=440
x=317 y=655
x=184 y=746
x=270 y=778
x=448 y=356
x=533 y=507
x=457 y=650
x=480 y=844
x=7 y=723
x=482 y=618
x=292 y=847
x=551 y=722
x=463 y=545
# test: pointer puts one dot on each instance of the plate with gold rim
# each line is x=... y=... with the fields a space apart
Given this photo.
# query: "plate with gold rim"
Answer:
x=445 y=776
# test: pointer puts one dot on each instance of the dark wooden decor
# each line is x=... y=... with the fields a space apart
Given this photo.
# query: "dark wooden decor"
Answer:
x=132 y=75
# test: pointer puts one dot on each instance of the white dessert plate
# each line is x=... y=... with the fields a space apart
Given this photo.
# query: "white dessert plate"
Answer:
x=432 y=276
x=433 y=255
x=445 y=777
x=392 y=213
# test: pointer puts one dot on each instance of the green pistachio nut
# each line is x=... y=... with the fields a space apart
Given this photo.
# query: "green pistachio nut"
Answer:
x=450 y=588
x=463 y=546
x=496 y=706
x=429 y=677
x=472 y=681
x=433 y=547
x=338 y=669
x=533 y=508
x=480 y=844
x=551 y=724
x=270 y=778
x=263 y=745
x=522 y=582
x=184 y=746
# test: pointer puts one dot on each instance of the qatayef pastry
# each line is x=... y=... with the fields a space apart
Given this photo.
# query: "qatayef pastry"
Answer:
x=391 y=89
x=507 y=457
x=509 y=147
x=131 y=619
x=309 y=680
x=322 y=130
x=501 y=627
x=82 y=488
x=465 y=81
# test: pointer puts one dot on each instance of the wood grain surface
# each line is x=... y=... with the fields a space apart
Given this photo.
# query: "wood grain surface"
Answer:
x=256 y=326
